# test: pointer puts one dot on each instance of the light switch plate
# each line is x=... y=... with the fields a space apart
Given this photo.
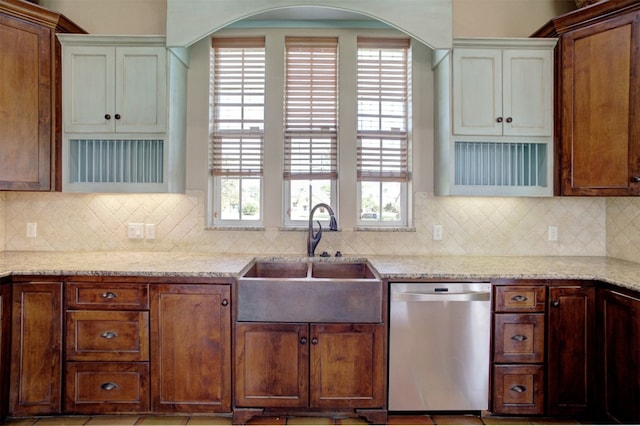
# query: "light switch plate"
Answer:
x=136 y=230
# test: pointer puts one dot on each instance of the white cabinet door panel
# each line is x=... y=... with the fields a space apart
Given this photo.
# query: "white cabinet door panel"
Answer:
x=477 y=91
x=527 y=92
x=89 y=87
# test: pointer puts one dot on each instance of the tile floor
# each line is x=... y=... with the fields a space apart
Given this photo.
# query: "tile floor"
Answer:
x=124 y=420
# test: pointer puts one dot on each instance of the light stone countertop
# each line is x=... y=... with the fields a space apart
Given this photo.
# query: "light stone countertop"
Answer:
x=395 y=268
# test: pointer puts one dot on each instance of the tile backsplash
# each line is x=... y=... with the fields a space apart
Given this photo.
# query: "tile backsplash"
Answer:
x=623 y=228
x=471 y=226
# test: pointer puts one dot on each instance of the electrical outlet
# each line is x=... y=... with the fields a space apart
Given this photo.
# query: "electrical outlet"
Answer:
x=136 y=230
x=32 y=229
x=437 y=233
x=150 y=231
x=553 y=233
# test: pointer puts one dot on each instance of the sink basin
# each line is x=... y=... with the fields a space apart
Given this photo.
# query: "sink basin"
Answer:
x=299 y=291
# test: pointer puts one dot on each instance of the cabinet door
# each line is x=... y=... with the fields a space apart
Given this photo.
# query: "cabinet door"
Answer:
x=477 y=91
x=600 y=101
x=190 y=348
x=619 y=337
x=272 y=365
x=527 y=92
x=5 y=334
x=570 y=350
x=26 y=124
x=347 y=366
x=140 y=105
x=36 y=369
x=89 y=88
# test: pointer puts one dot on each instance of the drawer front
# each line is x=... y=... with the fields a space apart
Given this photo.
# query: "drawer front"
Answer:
x=98 y=387
x=120 y=296
x=518 y=389
x=518 y=338
x=520 y=298
x=107 y=336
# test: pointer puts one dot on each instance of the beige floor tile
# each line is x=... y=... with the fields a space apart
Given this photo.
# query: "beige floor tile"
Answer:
x=505 y=421
x=113 y=420
x=19 y=422
x=209 y=421
x=351 y=421
x=409 y=420
x=163 y=420
x=62 y=421
x=456 y=420
x=296 y=421
x=550 y=421
x=268 y=421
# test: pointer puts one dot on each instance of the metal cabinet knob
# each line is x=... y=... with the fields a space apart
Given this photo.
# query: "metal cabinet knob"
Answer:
x=224 y=302
x=109 y=386
x=107 y=116
x=499 y=120
x=303 y=341
x=509 y=119
x=555 y=303
x=117 y=116
x=314 y=341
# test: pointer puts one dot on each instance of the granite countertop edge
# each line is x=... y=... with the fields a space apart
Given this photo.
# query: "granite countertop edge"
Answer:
x=394 y=268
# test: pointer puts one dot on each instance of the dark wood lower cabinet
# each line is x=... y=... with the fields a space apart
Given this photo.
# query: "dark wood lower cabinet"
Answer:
x=570 y=350
x=518 y=389
x=619 y=329
x=5 y=344
x=298 y=366
x=36 y=343
x=190 y=348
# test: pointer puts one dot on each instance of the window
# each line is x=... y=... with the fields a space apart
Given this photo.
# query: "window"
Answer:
x=382 y=151
x=336 y=126
x=237 y=129
x=310 y=126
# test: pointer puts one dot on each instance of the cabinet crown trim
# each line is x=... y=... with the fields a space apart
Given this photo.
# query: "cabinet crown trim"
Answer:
x=515 y=43
x=111 y=40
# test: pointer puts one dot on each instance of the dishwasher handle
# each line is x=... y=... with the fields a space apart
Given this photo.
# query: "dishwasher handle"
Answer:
x=470 y=296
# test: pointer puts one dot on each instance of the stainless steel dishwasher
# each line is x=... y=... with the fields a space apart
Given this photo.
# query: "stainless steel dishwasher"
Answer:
x=439 y=344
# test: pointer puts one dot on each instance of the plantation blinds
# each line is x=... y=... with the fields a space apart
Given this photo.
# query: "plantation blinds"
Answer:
x=311 y=104
x=237 y=137
x=382 y=153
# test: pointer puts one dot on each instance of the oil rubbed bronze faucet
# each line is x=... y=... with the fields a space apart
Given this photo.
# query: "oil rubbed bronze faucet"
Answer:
x=314 y=239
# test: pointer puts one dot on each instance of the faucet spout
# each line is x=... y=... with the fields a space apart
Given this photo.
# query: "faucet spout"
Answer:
x=313 y=239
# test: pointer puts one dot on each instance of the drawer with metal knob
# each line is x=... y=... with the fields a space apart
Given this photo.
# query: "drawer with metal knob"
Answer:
x=105 y=387
x=120 y=296
x=107 y=336
x=518 y=338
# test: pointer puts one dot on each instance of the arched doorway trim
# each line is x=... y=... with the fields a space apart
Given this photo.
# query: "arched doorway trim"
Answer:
x=429 y=21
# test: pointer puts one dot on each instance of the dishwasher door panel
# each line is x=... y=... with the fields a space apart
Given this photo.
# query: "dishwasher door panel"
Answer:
x=439 y=349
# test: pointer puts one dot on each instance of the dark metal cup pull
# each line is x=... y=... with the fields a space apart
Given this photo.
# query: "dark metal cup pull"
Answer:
x=108 y=386
x=519 y=338
x=635 y=179
x=519 y=389
x=108 y=335
x=109 y=295
x=519 y=298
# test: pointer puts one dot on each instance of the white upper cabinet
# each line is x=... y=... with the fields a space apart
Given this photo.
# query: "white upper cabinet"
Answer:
x=502 y=91
x=119 y=89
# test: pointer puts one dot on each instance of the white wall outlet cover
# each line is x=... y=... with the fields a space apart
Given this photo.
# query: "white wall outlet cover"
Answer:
x=553 y=233
x=32 y=229
x=150 y=231
x=437 y=233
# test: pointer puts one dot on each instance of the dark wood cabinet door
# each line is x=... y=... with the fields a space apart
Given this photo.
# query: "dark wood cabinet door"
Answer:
x=600 y=103
x=272 y=365
x=619 y=335
x=36 y=358
x=347 y=366
x=5 y=342
x=570 y=360
x=190 y=348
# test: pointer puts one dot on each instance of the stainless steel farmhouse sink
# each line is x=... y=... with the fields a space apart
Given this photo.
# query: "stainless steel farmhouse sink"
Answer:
x=299 y=291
